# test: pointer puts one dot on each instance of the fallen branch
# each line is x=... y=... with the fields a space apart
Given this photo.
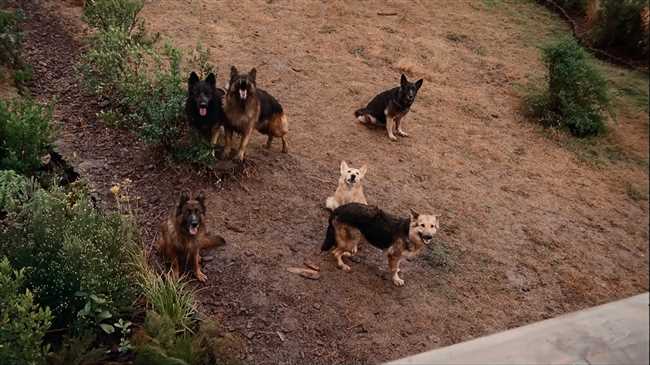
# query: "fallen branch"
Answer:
x=381 y=13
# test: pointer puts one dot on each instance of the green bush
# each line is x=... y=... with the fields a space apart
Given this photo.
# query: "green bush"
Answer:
x=15 y=190
x=106 y=14
x=620 y=26
x=22 y=322
x=69 y=247
x=10 y=38
x=143 y=86
x=25 y=134
x=577 y=95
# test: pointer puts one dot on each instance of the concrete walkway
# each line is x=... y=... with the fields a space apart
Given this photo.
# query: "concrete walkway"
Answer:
x=614 y=333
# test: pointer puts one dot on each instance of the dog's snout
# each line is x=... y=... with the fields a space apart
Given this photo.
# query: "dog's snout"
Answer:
x=194 y=220
x=427 y=237
x=353 y=177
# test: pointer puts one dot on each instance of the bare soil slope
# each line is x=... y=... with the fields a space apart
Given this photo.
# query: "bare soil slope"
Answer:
x=529 y=230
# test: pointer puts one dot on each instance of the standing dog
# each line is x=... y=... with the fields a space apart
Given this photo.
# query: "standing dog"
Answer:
x=398 y=237
x=204 y=106
x=388 y=108
x=248 y=107
x=184 y=234
x=350 y=189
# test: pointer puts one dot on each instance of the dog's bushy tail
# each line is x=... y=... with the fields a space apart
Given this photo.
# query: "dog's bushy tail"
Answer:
x=330 y=239
x=360 y=112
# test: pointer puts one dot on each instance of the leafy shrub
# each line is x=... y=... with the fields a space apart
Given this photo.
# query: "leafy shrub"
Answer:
x=10 y=38
x=70 y=247
x=22 y=322
x=14 y=191
x=577 y=95
x=621 y=25
x=106 y=14
x=26 y=132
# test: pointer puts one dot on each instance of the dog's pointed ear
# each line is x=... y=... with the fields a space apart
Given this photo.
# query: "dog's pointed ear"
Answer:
x=194 y=78
x=233 y=72
x=418 y=84
x=414 y=215
x=201 y=199
x=344 y=167
x=185 y=197
x=403 y=81
x=252 y=75
x=363 y=170
x=211 y=79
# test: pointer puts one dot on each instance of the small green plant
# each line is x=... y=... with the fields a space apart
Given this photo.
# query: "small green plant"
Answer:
x=22 y=322
x=577 y=96
x=25 y=134
x=96 y=312
x=124 y=327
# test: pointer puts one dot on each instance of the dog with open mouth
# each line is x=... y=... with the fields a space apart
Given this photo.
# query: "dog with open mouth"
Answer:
x=184 y=234
x=350 y=188
x=204 y=106
x=398 y=237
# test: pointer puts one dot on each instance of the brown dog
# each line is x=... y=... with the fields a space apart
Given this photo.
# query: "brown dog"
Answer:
x=184 y=234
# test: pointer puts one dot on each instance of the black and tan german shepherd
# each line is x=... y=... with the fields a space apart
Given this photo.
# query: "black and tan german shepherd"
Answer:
x=398 y=237
x=389 y=107
x=247 y=107
x=204 y=106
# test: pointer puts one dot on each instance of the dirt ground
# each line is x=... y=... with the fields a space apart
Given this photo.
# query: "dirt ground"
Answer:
x=529 y=229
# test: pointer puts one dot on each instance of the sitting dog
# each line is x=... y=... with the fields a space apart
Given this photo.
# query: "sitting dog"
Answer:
x=388 y=108
x=184 y=234
x=248 y=107
x=350 y=189
x=203 y=106
x=398 y=237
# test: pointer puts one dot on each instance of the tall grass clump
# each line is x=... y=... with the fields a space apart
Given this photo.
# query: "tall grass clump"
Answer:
x=576 y=97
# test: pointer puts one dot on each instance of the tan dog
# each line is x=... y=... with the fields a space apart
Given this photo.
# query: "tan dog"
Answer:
x=184 y=234
x=350 y=189
x=398 y=237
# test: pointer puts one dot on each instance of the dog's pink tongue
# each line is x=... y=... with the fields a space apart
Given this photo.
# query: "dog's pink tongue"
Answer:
x=203 y=111
x=194 y=231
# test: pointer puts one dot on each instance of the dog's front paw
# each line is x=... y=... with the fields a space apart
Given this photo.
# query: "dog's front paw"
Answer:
x=345 y=268
x=402 y=133
x=200 y=276
x=397 y=281
x=240 y=157
x=392 y=138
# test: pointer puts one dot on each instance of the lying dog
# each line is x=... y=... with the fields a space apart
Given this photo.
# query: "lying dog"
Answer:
x=388 y=108
x=398 y=237
x=350 y=189
x=248 y=107
x=203 y=106
x=184 y=234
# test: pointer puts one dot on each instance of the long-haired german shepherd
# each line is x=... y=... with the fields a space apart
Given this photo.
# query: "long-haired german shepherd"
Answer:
x=398 y=237
x=204 y=106
x=184 y=234
x=389 y=107
x=247 y=107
